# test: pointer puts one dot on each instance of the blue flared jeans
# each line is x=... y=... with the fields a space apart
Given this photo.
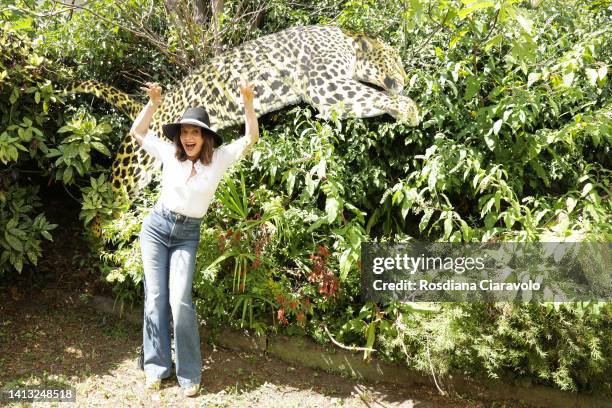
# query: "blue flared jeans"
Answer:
x=169 y=242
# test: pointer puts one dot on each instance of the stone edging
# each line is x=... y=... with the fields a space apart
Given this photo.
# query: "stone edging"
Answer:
x=306 y=352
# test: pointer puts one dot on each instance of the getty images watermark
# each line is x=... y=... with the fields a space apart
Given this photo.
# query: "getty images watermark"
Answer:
x=486 y=272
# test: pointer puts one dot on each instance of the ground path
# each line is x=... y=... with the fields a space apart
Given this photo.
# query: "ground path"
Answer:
x=49 y=337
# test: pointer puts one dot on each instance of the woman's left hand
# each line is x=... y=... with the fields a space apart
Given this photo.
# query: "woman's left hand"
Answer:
x=247 y=92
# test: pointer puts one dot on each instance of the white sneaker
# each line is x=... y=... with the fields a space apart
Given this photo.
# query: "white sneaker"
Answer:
x=191 y=391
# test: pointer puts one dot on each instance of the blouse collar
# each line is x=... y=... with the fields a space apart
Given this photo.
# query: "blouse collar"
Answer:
x=187 y=164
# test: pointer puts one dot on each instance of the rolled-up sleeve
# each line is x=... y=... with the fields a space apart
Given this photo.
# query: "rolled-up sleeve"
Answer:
x=160 y=149
x=232 y=152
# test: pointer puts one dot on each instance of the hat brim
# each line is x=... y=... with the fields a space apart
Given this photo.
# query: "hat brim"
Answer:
x=172 y=130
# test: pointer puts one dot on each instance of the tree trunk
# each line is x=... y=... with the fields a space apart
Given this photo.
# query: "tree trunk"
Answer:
x=217 y=10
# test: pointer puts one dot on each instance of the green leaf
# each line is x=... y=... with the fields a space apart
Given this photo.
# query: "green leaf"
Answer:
x=32 y=257
x=53 y=153
x=373 y=220
x=532 y=78
x=493 y=41
x=477 y=5
x=497 y=200
x=554 y=106
x=12 y=223
x=490 y=141
x=67 y=176
x=602 y=71
x=490 y=220
x=18 y=264
x=331 y=208
x=406 y=205
x=497 y=126
x=14 y=95
x=448 y=224
x=487 y=207
x=18 y=233
x=310 y=184
x=421 y=307
x=524 y=22
x=345 y=264
x=425 y=219
x=398 y=195
x=570 y=203
x=290 y=181
x=466 y=231
x=101 y=148
x=370 y=334
x=84 y=155
x=471 y=88
x=89 y=217
x=568 y=79
x=223 y=256
x=509 y=218
x=13 y=242
x=592 y=76
x=455 y=39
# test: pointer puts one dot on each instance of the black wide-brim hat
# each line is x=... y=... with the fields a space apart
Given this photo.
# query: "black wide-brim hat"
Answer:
x=193 y=116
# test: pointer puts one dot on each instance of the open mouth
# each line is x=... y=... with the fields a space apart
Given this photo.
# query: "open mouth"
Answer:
x=189 y=146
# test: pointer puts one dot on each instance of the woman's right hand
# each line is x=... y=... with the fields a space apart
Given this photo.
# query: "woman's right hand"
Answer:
x=153 y=89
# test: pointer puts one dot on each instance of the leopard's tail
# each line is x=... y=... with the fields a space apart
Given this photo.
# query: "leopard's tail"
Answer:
x=112 y=95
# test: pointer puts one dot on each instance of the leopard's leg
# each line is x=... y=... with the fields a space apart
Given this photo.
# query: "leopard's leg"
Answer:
x=351 y=97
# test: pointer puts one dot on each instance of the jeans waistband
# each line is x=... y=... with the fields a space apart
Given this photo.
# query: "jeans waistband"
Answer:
x=174 y=216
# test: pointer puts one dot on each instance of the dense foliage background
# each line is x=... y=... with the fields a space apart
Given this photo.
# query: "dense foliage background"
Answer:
x=514 y=146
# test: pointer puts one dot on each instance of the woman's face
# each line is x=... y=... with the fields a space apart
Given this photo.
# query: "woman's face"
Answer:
x=192 y=140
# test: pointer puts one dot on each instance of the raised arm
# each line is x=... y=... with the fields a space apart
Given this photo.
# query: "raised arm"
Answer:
x=140 y=127
x=252 y=126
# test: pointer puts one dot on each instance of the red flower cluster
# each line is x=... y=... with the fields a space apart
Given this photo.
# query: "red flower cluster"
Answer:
x=229 y=234
x=223 y=238
x=321 y=274
x=289 y=307
x=300 y=317
x=280 y=315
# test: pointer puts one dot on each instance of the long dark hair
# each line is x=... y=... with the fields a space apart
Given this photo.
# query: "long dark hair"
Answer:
x=206 y=153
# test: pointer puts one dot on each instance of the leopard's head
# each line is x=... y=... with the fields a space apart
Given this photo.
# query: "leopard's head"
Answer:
x=379 y=64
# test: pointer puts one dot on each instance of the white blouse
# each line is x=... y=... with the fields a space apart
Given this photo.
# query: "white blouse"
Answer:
x=191 y=196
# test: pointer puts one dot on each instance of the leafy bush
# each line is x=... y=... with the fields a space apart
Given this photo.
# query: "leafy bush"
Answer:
x=514 y=146
x=561 y=344
x=20 y=242
x=25 y=97
x=74 y=152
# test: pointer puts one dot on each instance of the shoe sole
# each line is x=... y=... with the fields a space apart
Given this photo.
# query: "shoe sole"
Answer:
x=190 y=394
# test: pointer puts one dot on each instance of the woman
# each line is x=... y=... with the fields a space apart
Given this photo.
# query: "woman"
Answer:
x=192 y=167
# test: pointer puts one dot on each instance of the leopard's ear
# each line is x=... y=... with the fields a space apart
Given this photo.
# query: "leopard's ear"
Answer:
x=363 y=44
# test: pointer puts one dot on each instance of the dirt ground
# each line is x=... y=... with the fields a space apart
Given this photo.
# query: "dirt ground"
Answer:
x=50 y=338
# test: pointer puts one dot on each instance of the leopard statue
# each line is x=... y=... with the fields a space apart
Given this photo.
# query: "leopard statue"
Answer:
x=330 y=68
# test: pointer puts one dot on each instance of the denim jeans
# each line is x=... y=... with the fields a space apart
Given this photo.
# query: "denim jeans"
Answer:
x=169 y=243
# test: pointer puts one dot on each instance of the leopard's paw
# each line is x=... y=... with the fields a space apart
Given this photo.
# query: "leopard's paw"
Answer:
x=404 y=110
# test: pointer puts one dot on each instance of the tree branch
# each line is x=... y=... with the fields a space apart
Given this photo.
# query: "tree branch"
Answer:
x=352 y=348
